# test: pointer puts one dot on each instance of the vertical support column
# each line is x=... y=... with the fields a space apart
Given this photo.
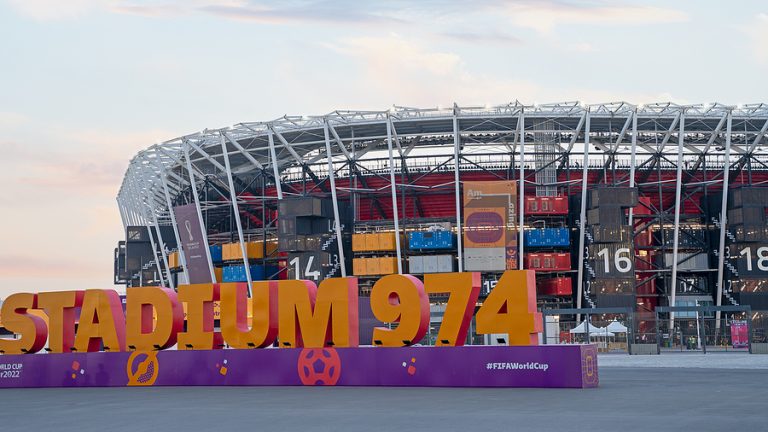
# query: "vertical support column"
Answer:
x=394 y=194
x=275 y=170
x=143 y=207
x=632 y=159
x=162 y=245
x=122 y=212
x=204 y=231
x=521 y=194
x=236 y=209
x=583 y=214
x=678 y=205
x=723 y=219
x=166 y=192
x=334 y=198
x=457 y=189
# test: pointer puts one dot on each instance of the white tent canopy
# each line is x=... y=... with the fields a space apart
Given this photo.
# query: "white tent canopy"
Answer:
x=616 y=327
x=581 y=328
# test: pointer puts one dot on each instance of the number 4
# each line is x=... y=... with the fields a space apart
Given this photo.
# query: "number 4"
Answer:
x=511 y=308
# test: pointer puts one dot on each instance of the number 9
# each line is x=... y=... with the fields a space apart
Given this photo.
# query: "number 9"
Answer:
x=400 y=299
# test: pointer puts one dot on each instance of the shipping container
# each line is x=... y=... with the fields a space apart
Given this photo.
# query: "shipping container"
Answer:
x=359 y=242
x=416 y=264
x=557 y=205
x=688 y=261
x=173 y=260
x=372 y=266
x=305 y=206
x=548 y=261
x=609 y=234
x=387 y=265
x=690 y=238
x=485 y=259
x=359 y=267
x=236 y=273
x=612 y=196
x=445 y=263
x=612 y=286
x=748 y=233
x=559 y=286
x=430 y=240
x=216 y=255
x=430 y=264
x=547 y=237
x=254 y=250
x=748 y=196
x=747 y=216
x=605 y=215
x=386 y=241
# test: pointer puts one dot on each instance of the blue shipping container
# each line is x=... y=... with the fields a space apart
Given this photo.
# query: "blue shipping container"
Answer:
x=547 y=237
x=237 y=273
x=418 y=240
x=215 y=253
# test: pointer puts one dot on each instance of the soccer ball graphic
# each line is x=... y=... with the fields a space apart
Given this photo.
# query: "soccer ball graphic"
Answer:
x=319 y=366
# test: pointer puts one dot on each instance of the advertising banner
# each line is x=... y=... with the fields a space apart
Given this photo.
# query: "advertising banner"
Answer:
x=572 y=366
x=490 y=221
x=739 y=334
x=193 y=244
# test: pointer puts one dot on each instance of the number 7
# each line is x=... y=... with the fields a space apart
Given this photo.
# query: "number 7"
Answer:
x=463 y=290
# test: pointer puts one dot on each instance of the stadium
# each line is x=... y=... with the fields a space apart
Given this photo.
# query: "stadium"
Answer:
x=652 y=216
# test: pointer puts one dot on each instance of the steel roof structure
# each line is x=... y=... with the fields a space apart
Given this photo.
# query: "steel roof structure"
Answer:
x=533 y=142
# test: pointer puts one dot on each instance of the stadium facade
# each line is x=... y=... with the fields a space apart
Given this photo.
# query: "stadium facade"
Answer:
x=616 y=206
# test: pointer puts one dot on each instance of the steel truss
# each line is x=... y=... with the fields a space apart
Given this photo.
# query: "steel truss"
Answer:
x=243 y=170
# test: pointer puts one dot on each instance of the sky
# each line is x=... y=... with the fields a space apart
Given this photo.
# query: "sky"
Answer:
x=86 y=84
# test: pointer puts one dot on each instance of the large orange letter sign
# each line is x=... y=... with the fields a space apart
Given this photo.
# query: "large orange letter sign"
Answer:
x=463 y=290
x=234 y=318
x=199 y=334
x=60 y=307
x=31 y=329
x=511 y=308
x=101 y=321
x=400 y=299
x=315 y=317
x=142 y=332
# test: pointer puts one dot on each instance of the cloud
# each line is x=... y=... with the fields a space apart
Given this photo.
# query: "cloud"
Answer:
x=47 y=10
x=11 y=119
x=484 y=37
x=758 y=33
x=545 y=16
x=299 y=12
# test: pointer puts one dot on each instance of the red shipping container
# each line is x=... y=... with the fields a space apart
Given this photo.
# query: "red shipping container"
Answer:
x=560 y=286
x=546 y=205
x=548 y=261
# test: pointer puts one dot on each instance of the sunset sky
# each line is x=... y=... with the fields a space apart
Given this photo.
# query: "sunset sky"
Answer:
x=85 y=84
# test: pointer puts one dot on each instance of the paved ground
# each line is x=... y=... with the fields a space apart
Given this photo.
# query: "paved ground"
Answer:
x=629 y=398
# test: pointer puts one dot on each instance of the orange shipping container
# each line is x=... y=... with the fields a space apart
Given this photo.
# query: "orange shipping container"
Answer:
x=358 y=242
x=359 y=267
x=371 y=242
x=255 y=250
x=387 y=265
x=386 y=241
x=173 y=260
x=372 y=266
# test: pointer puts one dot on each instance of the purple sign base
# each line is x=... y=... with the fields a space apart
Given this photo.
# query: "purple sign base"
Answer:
x=551 y=366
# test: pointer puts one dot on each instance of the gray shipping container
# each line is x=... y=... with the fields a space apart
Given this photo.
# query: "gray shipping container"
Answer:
x=697 y=262
x=485 y=259
x=445 y=263
x=430 y=264
x=416 y=264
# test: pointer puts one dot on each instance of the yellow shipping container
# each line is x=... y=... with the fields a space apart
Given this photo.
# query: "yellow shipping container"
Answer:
x=219 y=274
x=173 y=260
x=359 y=267
x=386 y=241
x=358 y=242
x=255 y=250
x=371 y=242
x=387 y=265
x=372 y=266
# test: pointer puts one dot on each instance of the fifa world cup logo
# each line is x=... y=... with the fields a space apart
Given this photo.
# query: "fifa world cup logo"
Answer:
x=188 y=226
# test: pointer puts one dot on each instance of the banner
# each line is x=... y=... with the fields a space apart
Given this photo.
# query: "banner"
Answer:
x=193 y=244
x=490 y=224
x=739 y=334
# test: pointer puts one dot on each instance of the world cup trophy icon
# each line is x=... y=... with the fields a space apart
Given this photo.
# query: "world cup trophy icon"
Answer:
x=319 y=366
